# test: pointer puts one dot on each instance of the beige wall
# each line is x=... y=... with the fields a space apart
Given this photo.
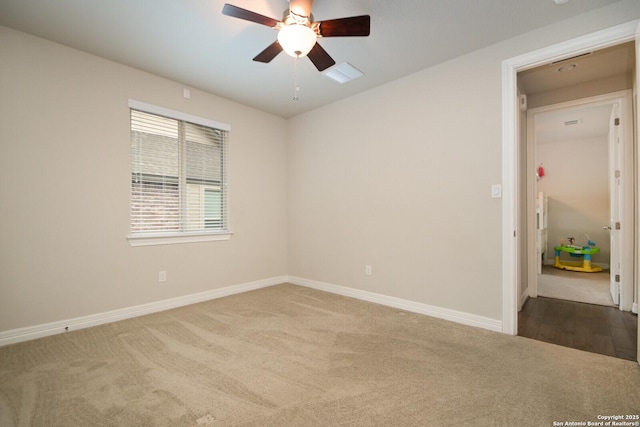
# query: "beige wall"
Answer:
x=64 y=169
x=399 y=178
x=577 y=183
x=583 y=90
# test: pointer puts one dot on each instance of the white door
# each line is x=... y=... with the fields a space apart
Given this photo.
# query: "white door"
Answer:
x=637 y=119
x=622 y=205
x=614 y=205
x=622 y=222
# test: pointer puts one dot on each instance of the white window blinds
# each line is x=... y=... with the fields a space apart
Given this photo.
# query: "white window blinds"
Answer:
x=178 y=176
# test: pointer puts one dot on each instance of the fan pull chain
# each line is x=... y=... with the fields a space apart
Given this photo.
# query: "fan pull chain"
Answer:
x=297 y=85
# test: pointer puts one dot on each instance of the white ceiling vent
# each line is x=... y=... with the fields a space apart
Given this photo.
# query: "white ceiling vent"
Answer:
x=343 y=73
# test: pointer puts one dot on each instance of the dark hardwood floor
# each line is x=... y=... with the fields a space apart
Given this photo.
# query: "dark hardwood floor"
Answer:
x=589 y=327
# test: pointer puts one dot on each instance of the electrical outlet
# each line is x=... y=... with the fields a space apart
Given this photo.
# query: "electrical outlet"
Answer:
x=367 y=270
x=162 y=276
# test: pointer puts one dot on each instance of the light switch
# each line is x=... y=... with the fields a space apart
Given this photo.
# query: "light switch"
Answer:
x=496 y=191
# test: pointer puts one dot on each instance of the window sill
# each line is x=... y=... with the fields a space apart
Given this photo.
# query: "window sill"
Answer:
x=171 y=239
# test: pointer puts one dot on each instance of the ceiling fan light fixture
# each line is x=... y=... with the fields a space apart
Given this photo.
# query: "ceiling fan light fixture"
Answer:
x=297 y=40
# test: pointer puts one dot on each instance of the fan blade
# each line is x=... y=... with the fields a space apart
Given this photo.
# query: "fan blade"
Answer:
x=247 y=15
x=301 y=7
x=345 y=27
x=320 y=58
x=269 y=53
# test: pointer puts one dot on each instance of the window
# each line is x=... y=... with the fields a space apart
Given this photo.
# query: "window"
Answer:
x=178 y=177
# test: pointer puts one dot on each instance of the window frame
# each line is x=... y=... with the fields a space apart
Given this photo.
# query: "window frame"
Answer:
x=182 y=236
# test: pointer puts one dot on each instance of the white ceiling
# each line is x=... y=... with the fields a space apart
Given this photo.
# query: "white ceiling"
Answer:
x=590 y=120
x=582 y=122
x=614 y=61
x=191 y=42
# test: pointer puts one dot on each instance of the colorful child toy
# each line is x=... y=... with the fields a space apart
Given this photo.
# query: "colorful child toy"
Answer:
x=583 y=252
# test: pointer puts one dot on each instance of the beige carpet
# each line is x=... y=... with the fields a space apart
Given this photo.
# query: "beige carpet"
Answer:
x=592 y=288
x=292 y=356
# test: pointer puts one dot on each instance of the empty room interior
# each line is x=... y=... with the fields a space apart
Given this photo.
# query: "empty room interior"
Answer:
x=319 y=213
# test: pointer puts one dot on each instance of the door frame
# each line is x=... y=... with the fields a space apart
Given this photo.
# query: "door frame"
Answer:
x=513 y=202
x=623 y=100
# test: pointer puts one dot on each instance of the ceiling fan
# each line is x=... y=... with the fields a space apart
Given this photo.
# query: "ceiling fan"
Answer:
x=297 y=32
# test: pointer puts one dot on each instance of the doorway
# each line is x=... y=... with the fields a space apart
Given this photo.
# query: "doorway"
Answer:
x=514 y=227
x=575 y=151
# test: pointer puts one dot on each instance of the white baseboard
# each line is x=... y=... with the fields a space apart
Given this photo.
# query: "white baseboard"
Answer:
x=38 y=331
x=415 y=307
